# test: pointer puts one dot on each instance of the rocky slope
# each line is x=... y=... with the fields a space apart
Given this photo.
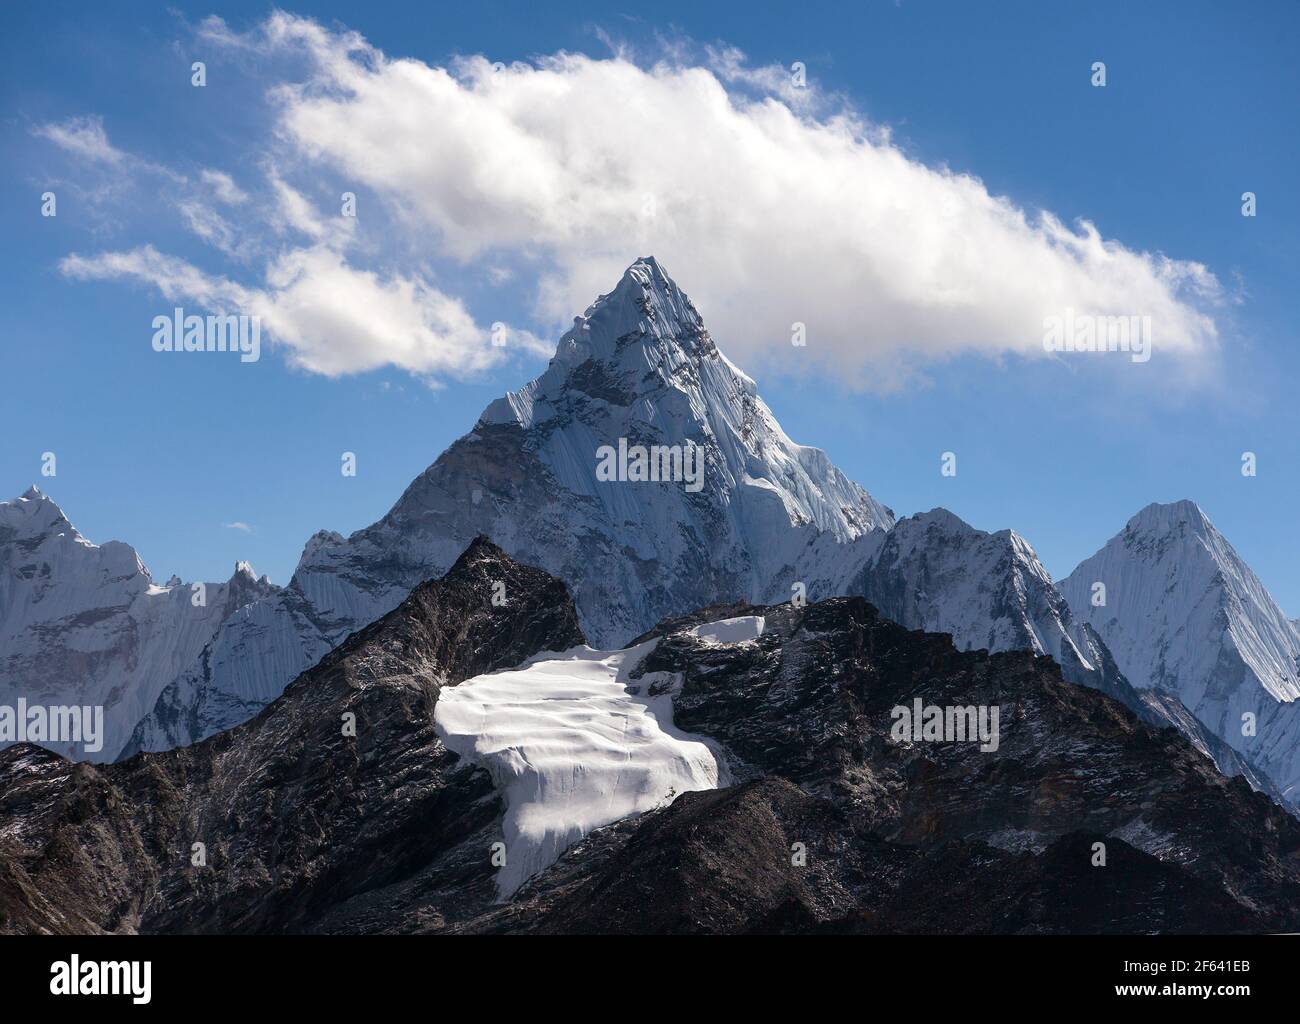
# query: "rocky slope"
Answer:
x=833 y=824
x=86 y=624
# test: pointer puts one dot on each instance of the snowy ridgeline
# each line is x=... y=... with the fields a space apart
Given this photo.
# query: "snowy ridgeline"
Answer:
x=575 y=743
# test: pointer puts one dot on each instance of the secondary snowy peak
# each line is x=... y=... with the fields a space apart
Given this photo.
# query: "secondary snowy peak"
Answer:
x=85 y=624
x=1178 y=600
x=1183 y=614
x=989 y=590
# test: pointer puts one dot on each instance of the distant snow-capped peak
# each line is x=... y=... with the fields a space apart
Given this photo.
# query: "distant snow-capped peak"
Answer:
x=85 y=624
x=935 y=572
x=1178 y=598
x=1183 y=614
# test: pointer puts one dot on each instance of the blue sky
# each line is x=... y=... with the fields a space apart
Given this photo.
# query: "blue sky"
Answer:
x=166 y=451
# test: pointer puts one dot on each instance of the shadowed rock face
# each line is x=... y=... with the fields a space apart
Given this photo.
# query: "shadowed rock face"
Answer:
x=925 y=836
x=298 y=819
x=832 y=825
x=720 y=862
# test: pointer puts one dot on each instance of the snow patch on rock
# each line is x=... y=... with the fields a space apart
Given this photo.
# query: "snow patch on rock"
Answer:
x=731 y=631
x=572 y=747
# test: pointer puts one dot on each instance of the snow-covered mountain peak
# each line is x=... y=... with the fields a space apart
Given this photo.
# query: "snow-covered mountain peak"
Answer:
x=645 y=311
x=929 y=531
x=1183 y=613
x=933 y=571
x=630 y=346
x=937 y=521
x=1177 y=598
x=640 y=368
x=84 y=623
x=1181 y=518
x=318 y=540
x=32 y=517
x=732 y=509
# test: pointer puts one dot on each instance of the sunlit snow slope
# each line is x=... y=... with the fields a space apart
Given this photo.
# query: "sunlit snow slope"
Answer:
x=575 y=743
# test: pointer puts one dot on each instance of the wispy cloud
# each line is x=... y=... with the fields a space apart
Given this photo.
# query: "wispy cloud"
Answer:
x=223 y=186
x=83 y=137
x=237 y=525
x=330 y=318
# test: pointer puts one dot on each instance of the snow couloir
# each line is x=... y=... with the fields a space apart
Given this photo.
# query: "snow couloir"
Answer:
x=574 y=743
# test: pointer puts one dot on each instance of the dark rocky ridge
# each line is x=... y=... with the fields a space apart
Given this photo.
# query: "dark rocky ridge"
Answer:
x=308 y=830
x=299 y=820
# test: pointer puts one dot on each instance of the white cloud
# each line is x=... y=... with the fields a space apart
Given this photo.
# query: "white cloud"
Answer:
x=769 y=205
x=293 y=211
x=174 y=278
x=329 y=317
x=223 y=187
x=210 y=226
x=83 y=137
x=237 y=525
